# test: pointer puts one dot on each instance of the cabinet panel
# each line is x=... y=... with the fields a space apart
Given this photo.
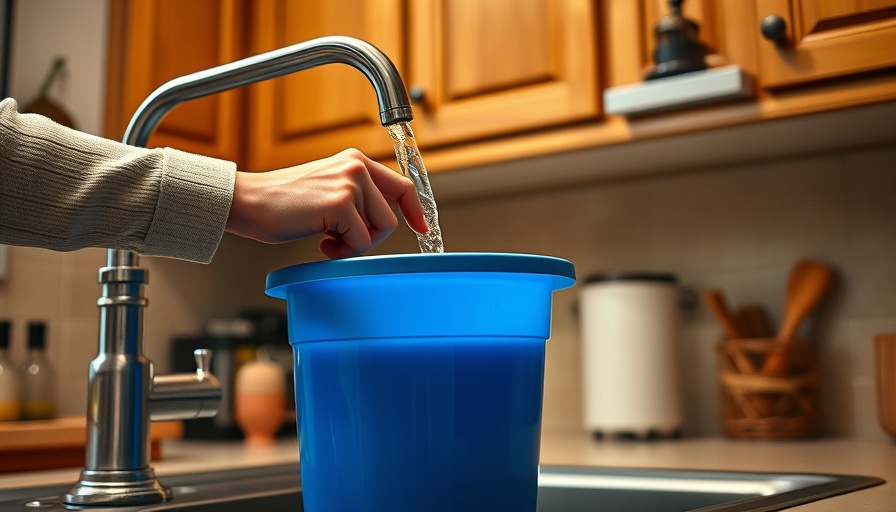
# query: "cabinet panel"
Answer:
x=827 y=39
x=479 y=59
x=320 y=111
x=165 y=41
x=502 y=66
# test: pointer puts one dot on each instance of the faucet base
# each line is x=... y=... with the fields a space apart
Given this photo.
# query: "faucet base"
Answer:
x=129 y=487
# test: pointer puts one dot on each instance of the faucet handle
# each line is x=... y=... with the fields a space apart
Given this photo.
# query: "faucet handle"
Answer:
x=186 y=396
x=203 y=358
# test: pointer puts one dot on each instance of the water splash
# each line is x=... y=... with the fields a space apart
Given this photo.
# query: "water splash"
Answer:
x=411 y=165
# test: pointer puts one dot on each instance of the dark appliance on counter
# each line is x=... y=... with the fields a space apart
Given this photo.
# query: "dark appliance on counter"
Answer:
x=234 y=342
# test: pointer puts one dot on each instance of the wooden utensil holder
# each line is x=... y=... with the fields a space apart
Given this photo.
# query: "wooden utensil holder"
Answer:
x=759 y=406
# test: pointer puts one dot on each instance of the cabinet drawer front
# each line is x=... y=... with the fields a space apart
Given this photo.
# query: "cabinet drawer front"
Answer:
x=320 y=111
x=161 y=40
x=502 y=66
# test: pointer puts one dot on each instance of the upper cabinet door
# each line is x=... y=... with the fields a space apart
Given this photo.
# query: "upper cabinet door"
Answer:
x=158 y=40
x=826 y=39
x=318 y=112
x=486 y=68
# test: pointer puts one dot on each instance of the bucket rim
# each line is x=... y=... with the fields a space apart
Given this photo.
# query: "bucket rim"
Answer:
x=468 y=262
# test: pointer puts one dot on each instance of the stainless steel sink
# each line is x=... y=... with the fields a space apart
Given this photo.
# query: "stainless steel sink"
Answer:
x=561 y=489
x=650 y=490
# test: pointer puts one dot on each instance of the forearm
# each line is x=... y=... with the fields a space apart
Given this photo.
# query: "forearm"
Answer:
x=65 y=190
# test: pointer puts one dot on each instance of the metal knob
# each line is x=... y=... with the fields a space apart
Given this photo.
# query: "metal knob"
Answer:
x=774 y=28
x=417 y=94
x=203 y=358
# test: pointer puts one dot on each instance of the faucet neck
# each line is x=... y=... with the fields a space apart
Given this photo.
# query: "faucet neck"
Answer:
x=383 y=76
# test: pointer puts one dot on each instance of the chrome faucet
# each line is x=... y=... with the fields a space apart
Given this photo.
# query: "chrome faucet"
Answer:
x=123 y=394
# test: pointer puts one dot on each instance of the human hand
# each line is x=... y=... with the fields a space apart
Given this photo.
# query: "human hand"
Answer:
x=344 y=197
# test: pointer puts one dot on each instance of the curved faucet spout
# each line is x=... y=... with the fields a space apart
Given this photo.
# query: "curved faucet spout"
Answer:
x=376 y=66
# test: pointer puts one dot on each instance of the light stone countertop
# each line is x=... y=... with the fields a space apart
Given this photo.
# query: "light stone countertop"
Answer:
x=840 y=456
x=837 y=456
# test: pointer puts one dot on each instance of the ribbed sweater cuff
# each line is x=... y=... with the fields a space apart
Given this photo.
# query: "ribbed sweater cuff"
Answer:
x=194 y=201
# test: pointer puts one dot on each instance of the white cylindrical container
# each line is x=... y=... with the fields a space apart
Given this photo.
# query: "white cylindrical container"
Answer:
x=629 y=326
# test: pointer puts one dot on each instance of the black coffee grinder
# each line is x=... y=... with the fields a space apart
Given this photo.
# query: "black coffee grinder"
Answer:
x=678 y=48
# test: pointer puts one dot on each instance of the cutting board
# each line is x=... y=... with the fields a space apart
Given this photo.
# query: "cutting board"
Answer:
x=59 y=443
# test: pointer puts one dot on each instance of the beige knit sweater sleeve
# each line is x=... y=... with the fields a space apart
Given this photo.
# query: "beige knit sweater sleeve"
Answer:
x=64 y=190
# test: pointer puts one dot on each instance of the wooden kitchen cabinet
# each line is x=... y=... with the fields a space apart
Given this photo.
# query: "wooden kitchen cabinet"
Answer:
x=318 y=112
x=153 y=41
x=822 y=39
x=791 y=79
x=272 y=124
x=491 y=81
x=484 y=69
x=476 y=70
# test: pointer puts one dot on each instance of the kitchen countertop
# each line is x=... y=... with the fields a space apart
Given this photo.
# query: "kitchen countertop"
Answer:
x=846 y=456
x=832 y=455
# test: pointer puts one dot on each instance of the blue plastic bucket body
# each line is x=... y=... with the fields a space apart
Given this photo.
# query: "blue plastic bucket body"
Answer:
x=411 y=424
x=419 y=379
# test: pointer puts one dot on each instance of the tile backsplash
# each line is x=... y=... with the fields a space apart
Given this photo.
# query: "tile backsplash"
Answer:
x=738 y=228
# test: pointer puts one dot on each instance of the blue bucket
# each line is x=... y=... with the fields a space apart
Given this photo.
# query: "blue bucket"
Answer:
x=419 y=378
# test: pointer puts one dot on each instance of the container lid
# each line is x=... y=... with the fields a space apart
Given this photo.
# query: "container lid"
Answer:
x=660 y=277
x=279 y=280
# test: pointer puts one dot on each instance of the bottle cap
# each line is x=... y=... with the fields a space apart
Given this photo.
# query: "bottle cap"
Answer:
x=36 y=332
x=4 y=334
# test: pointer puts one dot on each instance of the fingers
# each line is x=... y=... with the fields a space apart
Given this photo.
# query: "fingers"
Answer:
x=335 y=247
x=399 y=189
x=353 y=233
x=363 y=218
x=346 y=197
x=380 y=219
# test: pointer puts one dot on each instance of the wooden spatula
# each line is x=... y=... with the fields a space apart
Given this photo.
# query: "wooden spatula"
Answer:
x=809 y=282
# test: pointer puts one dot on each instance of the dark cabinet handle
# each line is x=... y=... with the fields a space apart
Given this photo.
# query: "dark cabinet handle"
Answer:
x=774 y=28
x=416 y=94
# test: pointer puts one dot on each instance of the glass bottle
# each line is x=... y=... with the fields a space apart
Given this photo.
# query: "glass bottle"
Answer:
x=38 y=379
x=10 y=405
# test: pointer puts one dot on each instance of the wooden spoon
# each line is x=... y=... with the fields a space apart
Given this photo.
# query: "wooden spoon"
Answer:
x=716 y=302
x=809 y=282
